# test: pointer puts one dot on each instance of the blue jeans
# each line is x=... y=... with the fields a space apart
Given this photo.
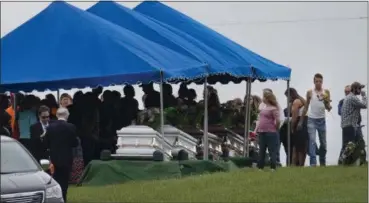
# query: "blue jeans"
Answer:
x=270 y=141
x=313 y=125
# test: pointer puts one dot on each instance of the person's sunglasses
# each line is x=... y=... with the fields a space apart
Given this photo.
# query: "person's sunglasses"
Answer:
x=45 y=117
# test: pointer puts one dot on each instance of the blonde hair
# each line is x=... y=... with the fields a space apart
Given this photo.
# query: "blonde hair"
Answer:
x=270 y=98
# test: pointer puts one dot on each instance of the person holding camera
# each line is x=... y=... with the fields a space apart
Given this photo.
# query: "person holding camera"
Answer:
x=350 y=113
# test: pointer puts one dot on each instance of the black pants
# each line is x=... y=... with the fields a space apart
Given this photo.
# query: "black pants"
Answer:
x=89 y=146
x=61 y=175
x=268 y=140
x=283 y=137
x=348 y=135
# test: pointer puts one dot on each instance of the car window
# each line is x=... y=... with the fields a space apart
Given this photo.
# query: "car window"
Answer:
x=15 y=159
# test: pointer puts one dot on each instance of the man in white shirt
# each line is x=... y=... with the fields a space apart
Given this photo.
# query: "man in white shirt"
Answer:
x=317 y=102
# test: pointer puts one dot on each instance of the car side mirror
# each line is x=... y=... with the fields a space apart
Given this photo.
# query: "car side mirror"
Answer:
x=45 y=164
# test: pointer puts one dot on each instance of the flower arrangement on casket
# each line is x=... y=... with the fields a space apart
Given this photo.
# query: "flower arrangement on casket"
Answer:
x=234 y=116
x=176 y=116
x=183 y=116
x=149 y=117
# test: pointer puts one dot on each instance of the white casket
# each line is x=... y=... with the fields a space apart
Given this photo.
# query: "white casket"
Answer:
x=180 y=140
x=214 y=143
x=141 y=141
x=236 y=142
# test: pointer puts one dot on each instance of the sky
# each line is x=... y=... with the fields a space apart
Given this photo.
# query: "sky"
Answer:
x=310 y=37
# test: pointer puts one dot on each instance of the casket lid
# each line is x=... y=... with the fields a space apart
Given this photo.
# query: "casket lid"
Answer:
x=137 y=129
x=171 y=130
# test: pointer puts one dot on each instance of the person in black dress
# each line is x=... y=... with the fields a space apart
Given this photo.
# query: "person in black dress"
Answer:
x=284 y=137
x=299 y=136
x=108 y=118
x=191 y=98
x=168 y=98
x=128 y=107
x=182 y=94
x=151 y=97
x=214 y=111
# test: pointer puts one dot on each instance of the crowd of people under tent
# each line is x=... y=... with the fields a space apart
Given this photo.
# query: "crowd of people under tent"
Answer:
x=98 y=114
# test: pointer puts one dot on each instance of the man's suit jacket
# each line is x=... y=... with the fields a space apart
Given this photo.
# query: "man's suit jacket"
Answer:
x=37 y=148
x=60 y=139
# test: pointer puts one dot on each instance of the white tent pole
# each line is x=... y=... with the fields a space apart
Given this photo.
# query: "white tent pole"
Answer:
x=206 y=138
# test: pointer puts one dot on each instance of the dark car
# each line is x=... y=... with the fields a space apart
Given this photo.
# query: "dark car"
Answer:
x=23 y=179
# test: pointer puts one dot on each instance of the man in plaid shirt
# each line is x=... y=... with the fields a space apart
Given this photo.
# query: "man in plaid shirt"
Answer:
x=350 y=113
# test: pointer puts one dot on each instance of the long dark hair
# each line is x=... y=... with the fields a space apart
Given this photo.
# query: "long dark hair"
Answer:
x=295 y=95
x=51 y=101
x=27 y=103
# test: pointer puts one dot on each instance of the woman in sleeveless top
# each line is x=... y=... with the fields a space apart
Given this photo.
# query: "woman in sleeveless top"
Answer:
x=299 y=136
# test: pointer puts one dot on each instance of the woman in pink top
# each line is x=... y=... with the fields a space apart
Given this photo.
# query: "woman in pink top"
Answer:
x=267 y=129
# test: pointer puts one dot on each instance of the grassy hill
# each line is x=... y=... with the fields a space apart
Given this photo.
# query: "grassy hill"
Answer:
x=329 y=184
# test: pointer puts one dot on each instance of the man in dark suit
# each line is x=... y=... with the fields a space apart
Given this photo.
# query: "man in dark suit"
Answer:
x=38 y=131
x=60 y=139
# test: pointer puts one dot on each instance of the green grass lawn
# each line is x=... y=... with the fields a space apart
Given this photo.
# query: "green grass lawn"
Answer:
x=329 y=184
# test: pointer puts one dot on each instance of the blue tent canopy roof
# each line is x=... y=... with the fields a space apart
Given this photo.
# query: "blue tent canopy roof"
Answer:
x=168 y=36
x=66 y=47
x=263 y=68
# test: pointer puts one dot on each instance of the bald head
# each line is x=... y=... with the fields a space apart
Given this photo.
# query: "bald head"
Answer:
x=62 y=113
x=347 y=89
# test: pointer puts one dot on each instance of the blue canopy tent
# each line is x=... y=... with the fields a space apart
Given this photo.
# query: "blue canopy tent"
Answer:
x=262 y=67
x=170 y=37
x=66 y=47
